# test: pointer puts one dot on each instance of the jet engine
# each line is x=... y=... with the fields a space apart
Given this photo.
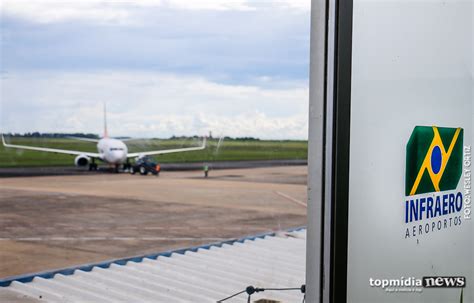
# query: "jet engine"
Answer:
x=82 y=160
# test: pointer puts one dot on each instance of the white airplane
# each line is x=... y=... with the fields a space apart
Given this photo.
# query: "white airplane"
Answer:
x=109 y=150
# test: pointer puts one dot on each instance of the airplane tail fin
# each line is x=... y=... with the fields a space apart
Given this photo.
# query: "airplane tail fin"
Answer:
x=106 y=132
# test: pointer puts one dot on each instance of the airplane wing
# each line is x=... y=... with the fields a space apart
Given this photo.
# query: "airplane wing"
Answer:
x=50 y=150
x=167 y=151
x=83 y=139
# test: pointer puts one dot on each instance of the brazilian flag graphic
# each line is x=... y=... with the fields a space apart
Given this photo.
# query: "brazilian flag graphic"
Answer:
x=434 y=159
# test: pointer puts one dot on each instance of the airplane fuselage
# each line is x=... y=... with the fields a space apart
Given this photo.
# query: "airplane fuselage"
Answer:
x=112 y=151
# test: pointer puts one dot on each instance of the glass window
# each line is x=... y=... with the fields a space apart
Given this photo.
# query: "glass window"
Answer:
x=214 y=92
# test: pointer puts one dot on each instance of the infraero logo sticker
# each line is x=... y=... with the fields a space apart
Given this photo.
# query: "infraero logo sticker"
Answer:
x=434 y=159
x=434 y=165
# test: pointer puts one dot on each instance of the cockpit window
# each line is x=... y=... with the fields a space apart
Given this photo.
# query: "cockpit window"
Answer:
x=116 y=148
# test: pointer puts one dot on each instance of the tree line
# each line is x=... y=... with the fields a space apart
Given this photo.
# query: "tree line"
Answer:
x=95 y=136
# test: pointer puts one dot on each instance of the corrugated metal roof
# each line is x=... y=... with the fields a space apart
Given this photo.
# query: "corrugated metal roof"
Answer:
x=200 y=274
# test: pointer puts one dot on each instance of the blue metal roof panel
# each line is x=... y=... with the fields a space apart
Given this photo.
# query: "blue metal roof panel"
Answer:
x=199 y=274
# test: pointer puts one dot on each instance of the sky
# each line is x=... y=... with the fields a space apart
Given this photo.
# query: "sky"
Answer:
x=172 y=67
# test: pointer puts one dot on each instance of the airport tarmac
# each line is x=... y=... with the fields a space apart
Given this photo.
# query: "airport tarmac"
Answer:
x=51 y=222
x=8 y=172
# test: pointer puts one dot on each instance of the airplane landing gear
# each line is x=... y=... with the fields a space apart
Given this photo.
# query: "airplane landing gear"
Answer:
x=92 y=167
x=127 y=166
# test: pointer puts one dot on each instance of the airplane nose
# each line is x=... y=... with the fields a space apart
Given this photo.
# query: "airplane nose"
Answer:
x=118 y=156
x=121 y=155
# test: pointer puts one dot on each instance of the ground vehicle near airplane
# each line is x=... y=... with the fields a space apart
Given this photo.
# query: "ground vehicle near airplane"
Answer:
x=144 y=166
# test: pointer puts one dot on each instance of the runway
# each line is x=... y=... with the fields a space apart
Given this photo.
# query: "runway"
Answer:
x=49 y=222
x=8 y=172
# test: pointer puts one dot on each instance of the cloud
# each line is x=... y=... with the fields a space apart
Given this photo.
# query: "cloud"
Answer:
x=229 y=46
x=122 y=11
x=46 y=11
x=148 y=104
x=164 y=67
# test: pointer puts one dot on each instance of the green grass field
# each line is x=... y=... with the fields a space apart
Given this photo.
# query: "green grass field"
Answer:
x=228 y=151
